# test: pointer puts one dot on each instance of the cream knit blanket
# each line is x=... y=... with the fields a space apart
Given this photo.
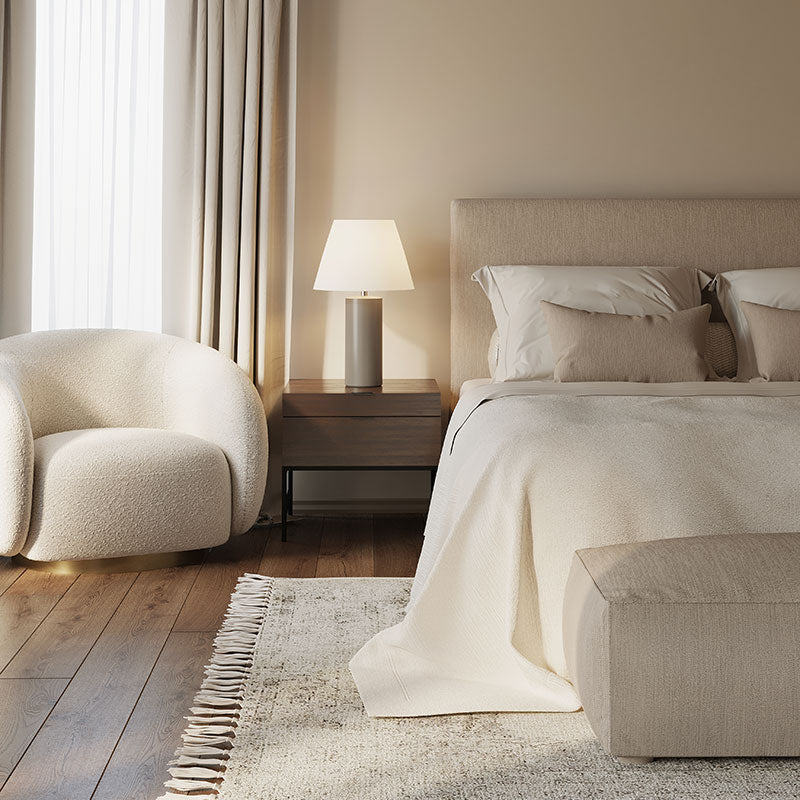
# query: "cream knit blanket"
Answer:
x=529 y=473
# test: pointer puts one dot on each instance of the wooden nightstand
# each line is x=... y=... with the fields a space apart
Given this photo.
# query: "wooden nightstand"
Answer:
x=329 y=426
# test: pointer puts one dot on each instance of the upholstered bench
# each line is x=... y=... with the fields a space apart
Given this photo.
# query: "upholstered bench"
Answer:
x=688 y=647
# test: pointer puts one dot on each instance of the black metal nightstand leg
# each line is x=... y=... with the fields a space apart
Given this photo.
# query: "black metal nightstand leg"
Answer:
x=285 y=472
x=291 y=492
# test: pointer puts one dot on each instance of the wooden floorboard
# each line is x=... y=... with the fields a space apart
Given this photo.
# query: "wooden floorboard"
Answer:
x=138 y=768
x=58 y=646
x=23 y=607
x=137 y=646
x=297 y=557
x=9 y=572
x=206 y=604
x=67 y=758
x=346 y=548
x=398 y=540
x=24 y=706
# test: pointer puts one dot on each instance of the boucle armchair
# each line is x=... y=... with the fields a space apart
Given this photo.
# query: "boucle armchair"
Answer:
x=120 y=443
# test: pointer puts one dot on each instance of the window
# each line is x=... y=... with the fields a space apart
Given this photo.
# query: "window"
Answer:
x=98 y=164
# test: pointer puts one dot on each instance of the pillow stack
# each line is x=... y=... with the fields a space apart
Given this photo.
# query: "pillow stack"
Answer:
x=640 y=324
x=763 y=309
x=524 y=350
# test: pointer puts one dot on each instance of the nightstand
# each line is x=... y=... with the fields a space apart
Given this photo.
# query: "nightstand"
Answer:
x=328 y=426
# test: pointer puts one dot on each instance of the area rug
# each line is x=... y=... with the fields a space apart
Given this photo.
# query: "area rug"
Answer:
x=279 y=718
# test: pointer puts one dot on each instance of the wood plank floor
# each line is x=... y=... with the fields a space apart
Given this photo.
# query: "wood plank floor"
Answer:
x=98 y=671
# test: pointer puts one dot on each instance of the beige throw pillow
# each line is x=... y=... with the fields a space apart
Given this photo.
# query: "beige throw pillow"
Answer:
x=659 y=348
x=775 y=333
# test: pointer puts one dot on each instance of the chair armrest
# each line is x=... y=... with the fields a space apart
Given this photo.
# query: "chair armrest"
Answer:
x=16 y=466
x=208 y=396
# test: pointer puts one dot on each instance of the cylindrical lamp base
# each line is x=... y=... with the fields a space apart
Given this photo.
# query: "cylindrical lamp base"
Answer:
x=363 y=354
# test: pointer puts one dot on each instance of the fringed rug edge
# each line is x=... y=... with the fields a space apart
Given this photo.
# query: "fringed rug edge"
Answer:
x=198 y=769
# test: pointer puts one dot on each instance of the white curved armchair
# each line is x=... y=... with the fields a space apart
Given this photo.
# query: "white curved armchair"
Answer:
x=121 y=443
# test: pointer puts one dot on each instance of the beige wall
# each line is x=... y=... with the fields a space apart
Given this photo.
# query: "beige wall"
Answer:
x=406 y=104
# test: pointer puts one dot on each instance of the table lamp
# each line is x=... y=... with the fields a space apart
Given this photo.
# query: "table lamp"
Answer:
x=363 y=255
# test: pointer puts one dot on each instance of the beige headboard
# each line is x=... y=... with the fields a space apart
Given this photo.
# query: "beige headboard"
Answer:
x=713 y=235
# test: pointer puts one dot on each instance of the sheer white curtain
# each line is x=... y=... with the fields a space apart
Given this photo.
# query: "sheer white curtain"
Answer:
x=98 y=164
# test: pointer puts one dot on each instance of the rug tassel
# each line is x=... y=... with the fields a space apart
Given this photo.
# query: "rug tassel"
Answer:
x=183 y=796
x=199 y=765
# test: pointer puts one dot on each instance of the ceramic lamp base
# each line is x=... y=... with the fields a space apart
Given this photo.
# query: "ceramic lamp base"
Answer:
x=363 y=354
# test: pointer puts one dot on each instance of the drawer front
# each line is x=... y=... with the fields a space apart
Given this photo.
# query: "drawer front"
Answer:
x=361 y=441
x=362 y=404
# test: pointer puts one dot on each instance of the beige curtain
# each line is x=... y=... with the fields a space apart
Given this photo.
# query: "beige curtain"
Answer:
x=228 y=196
x=17 y=73
x=3 y=4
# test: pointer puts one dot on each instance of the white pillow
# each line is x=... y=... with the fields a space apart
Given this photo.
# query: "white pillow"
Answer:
x=778 y=287
x=493 y=353
x=515 y=293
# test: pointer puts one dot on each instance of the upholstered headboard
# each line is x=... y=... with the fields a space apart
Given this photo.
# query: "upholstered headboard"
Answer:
x=713 y=235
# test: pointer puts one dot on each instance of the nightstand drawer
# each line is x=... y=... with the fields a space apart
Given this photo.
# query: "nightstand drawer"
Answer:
x=361 y=441
x=396 y=398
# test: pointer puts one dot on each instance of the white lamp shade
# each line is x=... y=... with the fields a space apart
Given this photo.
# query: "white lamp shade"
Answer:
x=363 y=255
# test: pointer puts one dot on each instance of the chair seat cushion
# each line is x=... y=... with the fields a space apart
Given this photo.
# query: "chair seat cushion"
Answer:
x=688 y=647
x=109 y=492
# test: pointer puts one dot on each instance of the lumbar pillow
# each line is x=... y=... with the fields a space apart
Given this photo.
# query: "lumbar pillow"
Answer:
x=524 y=351
x=775 y=337
x=655 y=348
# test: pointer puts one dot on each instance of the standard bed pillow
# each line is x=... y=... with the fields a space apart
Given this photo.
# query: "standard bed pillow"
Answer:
x=515 y=292
x=493 y=353
x=775 y=336
x=777 y=287
x=656 y=348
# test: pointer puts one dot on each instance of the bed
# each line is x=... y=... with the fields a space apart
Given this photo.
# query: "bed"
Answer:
x=531 y=470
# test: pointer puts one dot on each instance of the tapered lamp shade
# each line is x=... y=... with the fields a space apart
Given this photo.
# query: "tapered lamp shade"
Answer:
x=363 y=255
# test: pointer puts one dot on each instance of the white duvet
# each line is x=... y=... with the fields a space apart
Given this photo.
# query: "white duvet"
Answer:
x=532 y=471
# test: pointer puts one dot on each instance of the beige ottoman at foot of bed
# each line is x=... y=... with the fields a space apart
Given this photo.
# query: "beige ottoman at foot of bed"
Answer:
x=688 y=647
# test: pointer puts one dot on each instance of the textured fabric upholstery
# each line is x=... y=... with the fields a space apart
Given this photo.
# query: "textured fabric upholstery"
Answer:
x=70 y=380
x=775 y=333
x=712 y=235
x=205 y=394
x=688 y=647
x=76 y=380
x=16 y=467
x=657 y=348
x=721 y=349
x=107 y=492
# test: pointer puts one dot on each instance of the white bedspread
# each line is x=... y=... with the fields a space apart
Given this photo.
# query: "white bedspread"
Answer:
x=538 y=470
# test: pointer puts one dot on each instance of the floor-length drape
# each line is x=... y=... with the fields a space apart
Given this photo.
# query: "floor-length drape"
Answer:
x=228 y=149
x=17 y=73
x=2 y=60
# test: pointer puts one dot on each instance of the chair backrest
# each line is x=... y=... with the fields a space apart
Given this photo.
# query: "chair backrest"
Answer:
x=75 y=379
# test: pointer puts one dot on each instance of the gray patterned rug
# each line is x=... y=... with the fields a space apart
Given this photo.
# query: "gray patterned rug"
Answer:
x=279 y=718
